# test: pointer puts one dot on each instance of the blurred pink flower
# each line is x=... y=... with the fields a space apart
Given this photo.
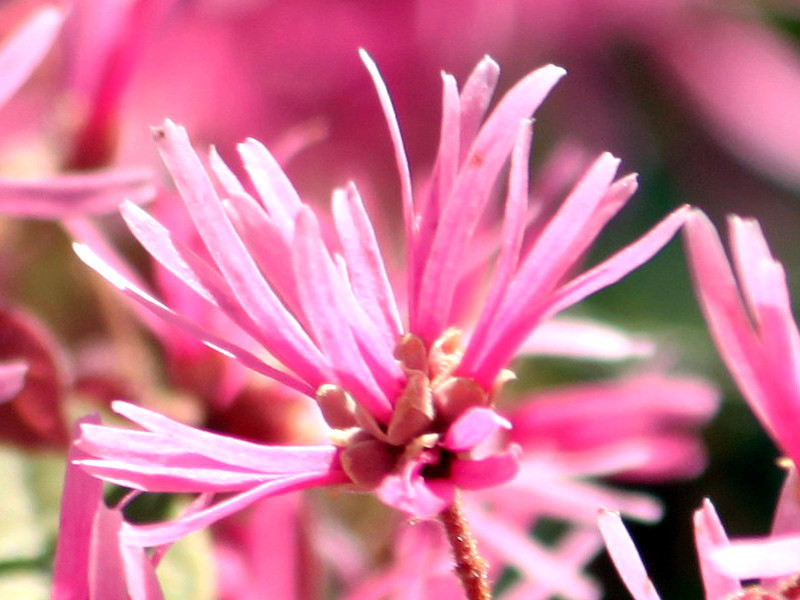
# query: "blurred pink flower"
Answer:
x=412 y=408
x=725 y=68
x=750 y=318
x=57 y=196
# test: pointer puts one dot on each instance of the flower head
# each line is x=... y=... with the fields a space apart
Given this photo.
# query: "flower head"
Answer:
x=750 y=319
x=407 y=390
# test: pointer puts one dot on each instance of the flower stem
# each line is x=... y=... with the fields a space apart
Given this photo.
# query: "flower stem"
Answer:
x=471 y=569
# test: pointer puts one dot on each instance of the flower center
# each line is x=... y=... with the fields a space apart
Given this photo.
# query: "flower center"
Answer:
x=430 y=401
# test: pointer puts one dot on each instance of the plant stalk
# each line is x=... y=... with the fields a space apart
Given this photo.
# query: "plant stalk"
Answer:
x=471 y=569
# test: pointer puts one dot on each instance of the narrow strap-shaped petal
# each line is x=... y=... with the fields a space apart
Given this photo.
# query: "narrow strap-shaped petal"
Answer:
x=282 y=460
x=777 y=556
x=725 y=313
x=211 y=340
x=87 y=234
x=73 y=195
x=625 y=557
x=587 y=339
x=448 y=157
x=274 y=188
x=558 y=248
x=505 y=339
x=709 y=535
x=401 y=159
x=165 y=533
x=167 y=479
x=365 y=266
x=322 y=295
x=23 y=52
x=512 y=233
x=465 y=206
x=765 y=289
x=289 y=343
x=139 y=574
x=619 y=264
x=269 y=244
x=475 y=99
x=80 y=500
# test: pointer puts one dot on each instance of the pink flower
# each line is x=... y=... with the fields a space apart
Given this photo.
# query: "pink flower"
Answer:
x=411 y=406
x=748 y=310
x=750 y=319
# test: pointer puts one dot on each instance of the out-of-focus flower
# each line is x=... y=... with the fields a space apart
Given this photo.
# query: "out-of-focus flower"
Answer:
x=624 y=57
x=650 y=419
x=412 y=408
x=57 y=196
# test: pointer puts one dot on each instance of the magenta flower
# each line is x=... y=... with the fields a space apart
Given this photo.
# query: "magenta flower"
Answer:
x=749 y=315
x=750 y=319
x=411 y=406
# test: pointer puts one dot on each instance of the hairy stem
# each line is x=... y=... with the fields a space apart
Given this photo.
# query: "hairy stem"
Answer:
x=471 y=569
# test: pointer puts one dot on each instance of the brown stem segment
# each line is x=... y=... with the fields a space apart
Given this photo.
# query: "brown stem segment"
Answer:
x=471 y=569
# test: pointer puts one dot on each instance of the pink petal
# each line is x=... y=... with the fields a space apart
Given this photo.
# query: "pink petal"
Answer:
x=150 y=477
x=403 y=171
x=787 y=512
x=620 y=264
x=273 y=186
x=473 y=427
x=80 y=500
x=26 y=48
x=513 y=231
x=365 y=266
x=288 y=342
x=276 y=460
x=776 y=556
x=625 y=557
x=88 y=256
x=64 y=196
x=322 y=294
x=512 y=545
x=462 y=211
x=585 y=339
x=475 y=99
x=165 y=533
x=710 y=535
x=409 y=492
x=486 y=472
